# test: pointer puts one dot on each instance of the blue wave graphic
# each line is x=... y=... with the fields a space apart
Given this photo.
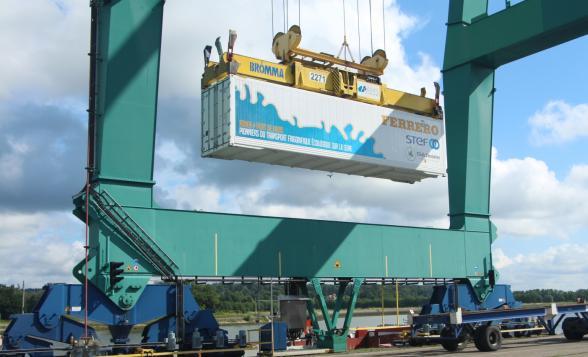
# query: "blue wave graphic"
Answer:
x=263 y=123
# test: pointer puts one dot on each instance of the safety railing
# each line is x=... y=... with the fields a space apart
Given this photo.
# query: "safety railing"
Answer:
x=133 y=234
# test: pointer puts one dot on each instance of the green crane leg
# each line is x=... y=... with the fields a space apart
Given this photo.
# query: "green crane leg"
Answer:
x=476 y=45
x=469 y=91
x=351 y=305
x=338 y=303
x=311 y=311
x=469 y=100
x=333 y=338
x=127 y=79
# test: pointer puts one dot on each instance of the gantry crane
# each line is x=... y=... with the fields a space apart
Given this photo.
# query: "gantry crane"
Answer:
x=132 y=239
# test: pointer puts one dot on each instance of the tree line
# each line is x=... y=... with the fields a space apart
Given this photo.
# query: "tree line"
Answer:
x=11 y=300
x=244 y=298
x=550 y=295
x=249 y=297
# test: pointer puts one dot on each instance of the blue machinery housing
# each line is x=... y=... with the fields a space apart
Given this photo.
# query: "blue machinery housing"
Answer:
x=57 y=321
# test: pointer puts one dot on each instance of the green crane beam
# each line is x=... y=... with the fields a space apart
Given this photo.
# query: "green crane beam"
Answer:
x=518 y=31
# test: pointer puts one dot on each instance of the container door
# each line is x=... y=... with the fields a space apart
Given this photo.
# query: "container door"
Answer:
x=226 y=124
x=218 y=104
x=204 y=120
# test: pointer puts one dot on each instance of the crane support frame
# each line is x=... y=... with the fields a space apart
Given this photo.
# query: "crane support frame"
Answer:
x=126 y=64
x=214 y=244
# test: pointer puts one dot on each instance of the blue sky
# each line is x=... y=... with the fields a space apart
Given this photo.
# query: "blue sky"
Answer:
x=540 y=178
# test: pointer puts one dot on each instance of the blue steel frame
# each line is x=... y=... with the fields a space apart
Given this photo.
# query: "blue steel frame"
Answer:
x=55 y=320
x=545 y=315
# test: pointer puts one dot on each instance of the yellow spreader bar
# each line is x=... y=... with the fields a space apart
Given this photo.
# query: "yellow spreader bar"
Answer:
x=321 y=79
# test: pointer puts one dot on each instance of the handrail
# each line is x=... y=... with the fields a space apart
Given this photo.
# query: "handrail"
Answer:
x=135 y=234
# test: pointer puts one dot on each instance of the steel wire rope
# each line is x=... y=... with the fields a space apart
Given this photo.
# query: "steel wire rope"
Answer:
x=344 y=31
x=384 y=22
x=344 y=20
x=299 y=24
x=371 y=30
x=358 y=33
x=284 y=14
x=272 y=5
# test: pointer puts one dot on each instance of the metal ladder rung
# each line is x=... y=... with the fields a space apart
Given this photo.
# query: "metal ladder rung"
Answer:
x=135 y=234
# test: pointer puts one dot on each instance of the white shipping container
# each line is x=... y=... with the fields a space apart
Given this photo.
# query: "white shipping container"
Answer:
x=253 y=120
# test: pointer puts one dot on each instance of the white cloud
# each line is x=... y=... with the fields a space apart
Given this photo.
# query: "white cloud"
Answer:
x=561 y=267
x=200 y=197
x=35 y=248
x=529 y=200
x=301 y=193
x=332 y=211
x=45 y=46
x=499 y=259
x=559 y=122
x=11 y=162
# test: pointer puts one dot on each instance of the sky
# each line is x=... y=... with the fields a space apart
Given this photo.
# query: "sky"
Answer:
x=539 y=198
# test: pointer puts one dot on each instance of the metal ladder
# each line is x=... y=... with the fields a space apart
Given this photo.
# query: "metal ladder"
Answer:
x=133 y=234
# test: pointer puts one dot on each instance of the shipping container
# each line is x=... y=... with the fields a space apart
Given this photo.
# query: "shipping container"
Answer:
x=259 y=121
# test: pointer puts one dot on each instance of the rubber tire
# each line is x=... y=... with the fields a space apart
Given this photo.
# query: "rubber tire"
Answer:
x=529 y=333
x=569 y=332
x=488 y=338
x=414 y=342
x=519 y=334
x=454 y=345
x=476 y=341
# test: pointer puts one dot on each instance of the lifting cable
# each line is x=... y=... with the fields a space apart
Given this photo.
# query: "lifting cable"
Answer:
x=284 y=14
x=287 y=15
x=358 y=32
x=299 y=24
x=273 y=32
x=371 y=29
x=345 y=46
x=384 y=22
x=344 y=22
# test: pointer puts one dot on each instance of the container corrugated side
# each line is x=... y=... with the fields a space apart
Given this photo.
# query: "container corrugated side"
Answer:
x=265 y=122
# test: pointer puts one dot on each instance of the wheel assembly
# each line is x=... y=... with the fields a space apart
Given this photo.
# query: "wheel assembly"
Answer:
x=574 y=328
x=454 y=344
x=488 y=338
